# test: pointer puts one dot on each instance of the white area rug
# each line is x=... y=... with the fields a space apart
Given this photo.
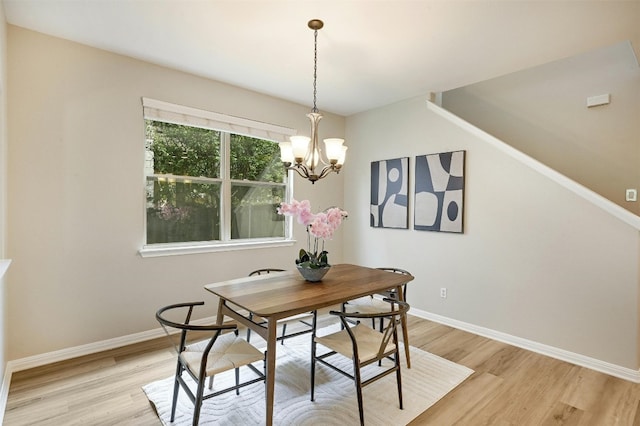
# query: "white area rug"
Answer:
x=428 y=380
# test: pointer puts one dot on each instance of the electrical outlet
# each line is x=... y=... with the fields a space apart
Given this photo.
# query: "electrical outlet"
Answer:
x=632 y=195
x=443 y=292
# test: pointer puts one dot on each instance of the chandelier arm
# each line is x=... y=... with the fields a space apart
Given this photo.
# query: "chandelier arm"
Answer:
x=326 y=170
x=304 y=172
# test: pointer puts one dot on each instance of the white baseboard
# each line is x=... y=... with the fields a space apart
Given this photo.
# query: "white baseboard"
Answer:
x=4 y=393
x=74 y=352
x=553 y=352
x=65 y=354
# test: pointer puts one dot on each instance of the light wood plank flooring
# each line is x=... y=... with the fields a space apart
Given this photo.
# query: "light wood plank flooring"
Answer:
x=510 y=386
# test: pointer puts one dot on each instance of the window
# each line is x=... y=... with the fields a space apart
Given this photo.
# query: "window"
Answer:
x=211 y=180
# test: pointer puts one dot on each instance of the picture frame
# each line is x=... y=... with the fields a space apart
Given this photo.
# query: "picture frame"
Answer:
x=439 y=192
x=389 y=206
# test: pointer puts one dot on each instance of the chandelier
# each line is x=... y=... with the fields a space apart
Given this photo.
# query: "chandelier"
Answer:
x=303 y=154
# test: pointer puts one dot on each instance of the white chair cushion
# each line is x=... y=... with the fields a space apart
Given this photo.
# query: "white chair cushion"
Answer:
x=367 y=305
x=368 y=341
x=228 y=352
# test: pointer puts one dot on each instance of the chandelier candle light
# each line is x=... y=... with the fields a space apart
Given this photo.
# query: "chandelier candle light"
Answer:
x=303 y=154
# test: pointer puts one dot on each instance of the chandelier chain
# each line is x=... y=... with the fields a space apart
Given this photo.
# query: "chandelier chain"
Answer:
x=315 y=68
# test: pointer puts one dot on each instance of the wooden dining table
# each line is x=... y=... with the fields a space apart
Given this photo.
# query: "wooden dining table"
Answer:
x=280 y=295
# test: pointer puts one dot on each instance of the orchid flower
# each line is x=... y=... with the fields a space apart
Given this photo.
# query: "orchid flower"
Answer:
x=320 y=227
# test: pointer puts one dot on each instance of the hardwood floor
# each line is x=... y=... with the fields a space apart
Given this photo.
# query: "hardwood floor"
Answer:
x=510 y=386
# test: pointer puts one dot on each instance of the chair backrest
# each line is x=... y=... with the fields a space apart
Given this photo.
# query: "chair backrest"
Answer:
x=394 y=316
x=391 y=293
x=184 y=326
x=265 y=271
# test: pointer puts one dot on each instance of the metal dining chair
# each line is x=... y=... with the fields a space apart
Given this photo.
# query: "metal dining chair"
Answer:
x=303 y=318
x=371 y=304
x=363 y=345
x=215 y=355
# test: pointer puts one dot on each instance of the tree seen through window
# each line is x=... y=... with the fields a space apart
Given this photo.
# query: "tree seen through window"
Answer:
x=189 y=192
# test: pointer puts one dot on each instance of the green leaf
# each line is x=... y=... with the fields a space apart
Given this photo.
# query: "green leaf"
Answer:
x=303 y=256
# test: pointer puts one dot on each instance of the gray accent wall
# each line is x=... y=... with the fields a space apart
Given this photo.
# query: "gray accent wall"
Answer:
x=542 y=111
x=536 y=261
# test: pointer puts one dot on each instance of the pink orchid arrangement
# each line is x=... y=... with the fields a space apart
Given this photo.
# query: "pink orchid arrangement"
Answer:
x=320 y=226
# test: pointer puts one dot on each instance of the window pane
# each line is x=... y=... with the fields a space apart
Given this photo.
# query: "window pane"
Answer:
x=253 y=211
x=255 y=159
x=201 y=182
x=182 y=150
x=181 y=211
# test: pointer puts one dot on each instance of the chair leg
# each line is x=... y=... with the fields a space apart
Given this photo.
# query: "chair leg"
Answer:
x=248 y=329
x=313 y=371
x=398 y=374
x=176 y=389
x=381 y=320
x=237 y=381
x=399 y=379
x=358 y=382
x=313 y=355
x=198 y=402
x=284 y=332
x=211 y=382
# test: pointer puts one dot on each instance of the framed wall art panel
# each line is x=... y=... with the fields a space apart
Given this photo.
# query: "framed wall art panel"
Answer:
x=439 y=192
x=389 y=193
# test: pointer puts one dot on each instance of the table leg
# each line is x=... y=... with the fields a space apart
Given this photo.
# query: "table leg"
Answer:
x=271 y=369
x=220 y=316
x=405 y=333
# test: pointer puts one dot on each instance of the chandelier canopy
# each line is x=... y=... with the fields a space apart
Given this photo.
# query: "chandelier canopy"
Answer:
x=303 y=154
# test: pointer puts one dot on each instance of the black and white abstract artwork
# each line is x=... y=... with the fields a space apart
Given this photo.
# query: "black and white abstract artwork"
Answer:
x=389 y=193
x=439 y=187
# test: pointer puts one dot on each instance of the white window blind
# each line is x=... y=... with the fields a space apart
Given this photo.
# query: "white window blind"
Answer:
x=180 y=114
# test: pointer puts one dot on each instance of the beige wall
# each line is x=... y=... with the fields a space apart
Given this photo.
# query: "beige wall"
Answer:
x=3 y=171
x=535 y=261
x=76 y=194
x=542 y=111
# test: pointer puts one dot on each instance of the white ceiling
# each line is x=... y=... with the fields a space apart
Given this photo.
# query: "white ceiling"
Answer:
x=370 y=52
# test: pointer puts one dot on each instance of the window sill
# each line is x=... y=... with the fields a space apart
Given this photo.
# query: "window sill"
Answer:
x=174 y=250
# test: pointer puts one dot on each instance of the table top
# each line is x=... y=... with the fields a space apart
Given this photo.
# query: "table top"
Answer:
x=282 y=294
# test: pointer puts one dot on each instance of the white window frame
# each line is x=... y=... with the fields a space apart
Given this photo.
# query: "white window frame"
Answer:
x=183 y=115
